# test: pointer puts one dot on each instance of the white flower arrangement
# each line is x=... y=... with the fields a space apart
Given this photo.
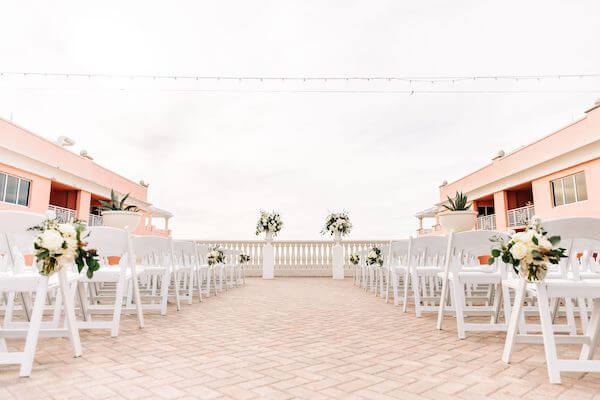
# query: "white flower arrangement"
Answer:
x=375 y=257
x=215 y=256
x=354 y=259
x=244 y=258
x=529 y=252
x=337 y=223
x=57 y=245
x=269 y=222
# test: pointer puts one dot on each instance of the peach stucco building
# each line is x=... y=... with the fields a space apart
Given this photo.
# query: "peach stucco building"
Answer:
x=37 y=174
x=553 y=177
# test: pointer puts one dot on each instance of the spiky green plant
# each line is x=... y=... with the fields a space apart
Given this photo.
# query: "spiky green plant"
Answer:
x=115 y=204
x=459 y=203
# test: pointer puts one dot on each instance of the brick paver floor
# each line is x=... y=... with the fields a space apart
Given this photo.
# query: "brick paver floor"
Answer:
x=305 y=338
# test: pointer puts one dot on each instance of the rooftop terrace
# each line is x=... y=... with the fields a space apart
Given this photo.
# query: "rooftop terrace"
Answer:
x=310 y=338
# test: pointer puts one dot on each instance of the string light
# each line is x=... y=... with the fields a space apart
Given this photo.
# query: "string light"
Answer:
x=409 y=79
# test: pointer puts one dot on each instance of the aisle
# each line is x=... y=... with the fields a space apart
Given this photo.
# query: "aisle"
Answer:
x=311 y=338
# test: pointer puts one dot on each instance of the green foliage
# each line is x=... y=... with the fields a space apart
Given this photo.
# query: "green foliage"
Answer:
x=460 y=202
x=115 y=204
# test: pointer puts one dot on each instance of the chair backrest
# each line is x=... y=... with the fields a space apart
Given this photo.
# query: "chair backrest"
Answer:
x=15 y=239
x=581 y=237
x=427 y=250
x=184 y=252
x=156 y=250
x=399 y=251
x=108 y=241
x=465 y=248
x=202 y=251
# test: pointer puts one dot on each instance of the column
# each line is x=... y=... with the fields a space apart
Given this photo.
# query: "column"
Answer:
x=84 y=200
x=268 y=257
x=500 y=208
x=337 y=255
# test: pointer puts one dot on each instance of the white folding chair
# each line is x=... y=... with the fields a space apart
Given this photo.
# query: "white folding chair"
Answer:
x=581 y=237
x=156 y=254
x=186 y=257
x=424 y=262
x=110 y=281
x=15 y=241
x=397 y=262
x=463 y=271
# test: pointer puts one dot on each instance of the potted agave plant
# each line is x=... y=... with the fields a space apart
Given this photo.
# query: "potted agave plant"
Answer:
x=458 y=215
x=118 y=215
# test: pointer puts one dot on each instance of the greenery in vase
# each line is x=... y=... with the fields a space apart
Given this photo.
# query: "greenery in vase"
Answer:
x=460 y=202
x=337 y=223
x=269 y=222
x=116 y=204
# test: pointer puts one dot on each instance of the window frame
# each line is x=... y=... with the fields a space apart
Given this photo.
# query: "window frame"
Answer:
x=562 y=189
x=19 y=180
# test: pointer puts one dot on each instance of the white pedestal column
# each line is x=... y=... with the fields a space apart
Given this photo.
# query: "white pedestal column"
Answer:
x=337 y=255
x=268 y=257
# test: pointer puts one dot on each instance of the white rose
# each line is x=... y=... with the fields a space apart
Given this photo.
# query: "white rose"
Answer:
x=545 y=243
x=372 y=254
x=51 y=214
x=51 y=240
x=519 y=250
x=67 y=229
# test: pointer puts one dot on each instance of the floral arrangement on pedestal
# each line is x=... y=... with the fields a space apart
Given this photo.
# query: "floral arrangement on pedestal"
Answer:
x=57 y=245
x=354 y=259
x=244 y=258
x=529 y=252
x=215 y=256
x=269 y=223
x=337 y=224
x=375 y=257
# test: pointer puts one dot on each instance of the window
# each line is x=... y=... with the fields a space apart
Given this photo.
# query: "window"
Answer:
x=14 y=190
x=485 y=210
x=569 y=189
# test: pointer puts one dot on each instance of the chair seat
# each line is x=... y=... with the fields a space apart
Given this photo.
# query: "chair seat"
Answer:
x=428 y=270
x=582 y=275
x=108 y=274
x=474 y=276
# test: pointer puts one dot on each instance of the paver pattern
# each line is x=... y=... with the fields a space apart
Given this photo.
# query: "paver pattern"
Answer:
x=304 y=338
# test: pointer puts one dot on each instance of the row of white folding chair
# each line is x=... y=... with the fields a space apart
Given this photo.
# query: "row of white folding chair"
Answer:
x=575 y=278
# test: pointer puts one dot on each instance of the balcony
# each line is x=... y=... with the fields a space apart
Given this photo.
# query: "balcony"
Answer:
x=520 y=216
x=487 y=222
x=63 y=215
x=95 y=220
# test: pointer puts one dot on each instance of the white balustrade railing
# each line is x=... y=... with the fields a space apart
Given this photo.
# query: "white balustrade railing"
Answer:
x=94 y=220
x=63 y=215
x=296 y=257
x=487 y=222
x=520 y=216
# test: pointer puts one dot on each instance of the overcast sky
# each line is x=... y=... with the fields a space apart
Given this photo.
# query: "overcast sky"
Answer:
x=217 y=152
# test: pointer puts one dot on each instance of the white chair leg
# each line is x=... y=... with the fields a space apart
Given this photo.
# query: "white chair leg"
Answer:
x=458 y=302
x=405 y=282
x=513 y=324
x=593 y=332
x=548 y=334
x=69 y=308
x=34 y=327
x=118 y=305
x=416 y=293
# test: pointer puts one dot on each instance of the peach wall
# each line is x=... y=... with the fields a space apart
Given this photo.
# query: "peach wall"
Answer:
x=542 y=194
x=500 y=203
x=39 y=191
x=578 y=134
x=26 y=143
x=83 y=205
